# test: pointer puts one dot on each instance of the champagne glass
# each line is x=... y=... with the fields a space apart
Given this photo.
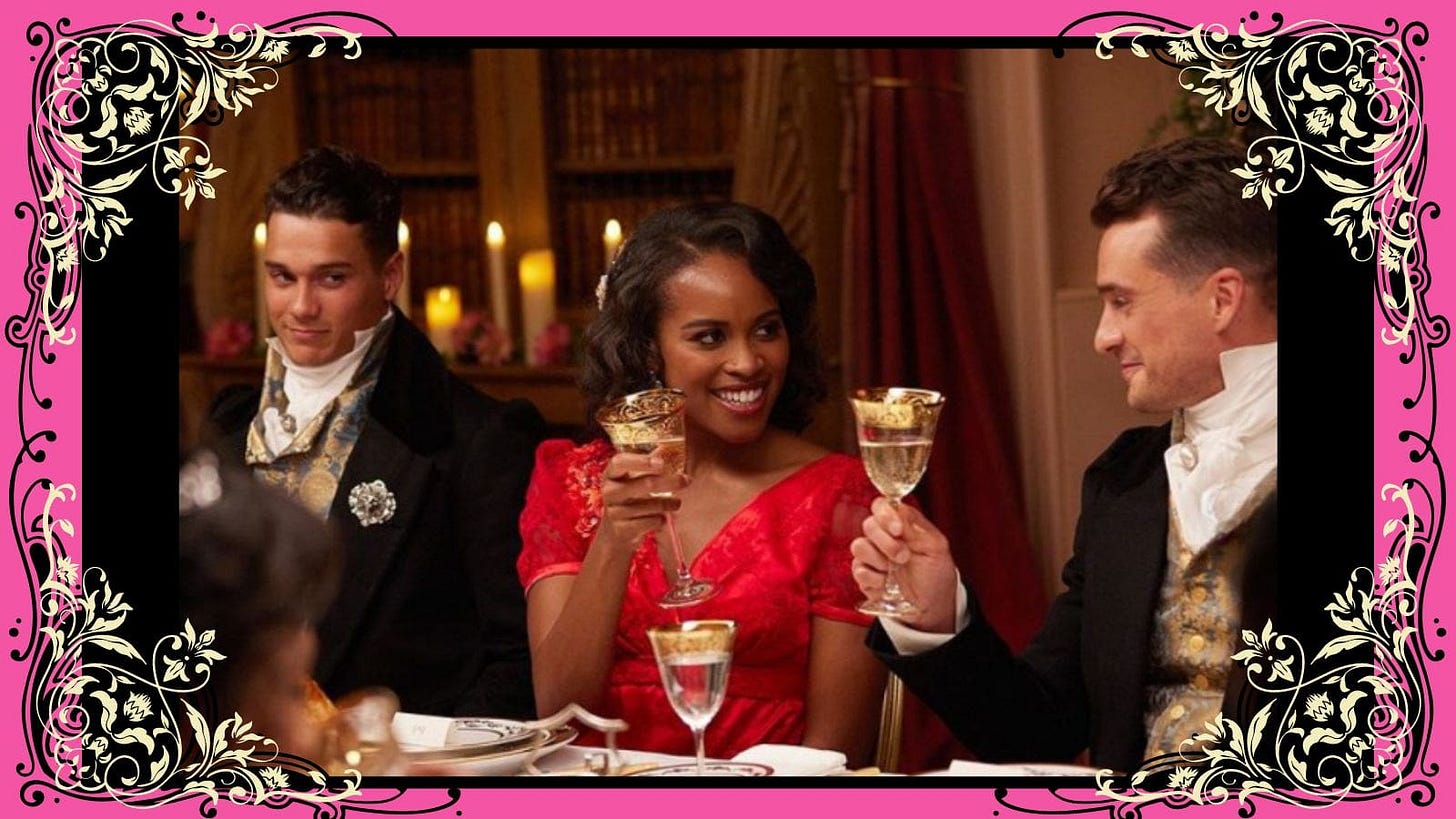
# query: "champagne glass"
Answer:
x=693 y=657
x=896 y=426
x=653 y=421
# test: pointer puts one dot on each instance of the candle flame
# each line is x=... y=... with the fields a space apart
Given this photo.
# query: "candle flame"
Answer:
x=403 y=233
x=494 y=236
x=613 y=233
x=260 y=234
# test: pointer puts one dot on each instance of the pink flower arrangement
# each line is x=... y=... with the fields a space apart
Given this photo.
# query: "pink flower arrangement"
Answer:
x=228 y=338
x=553 y=346
x=478 y=338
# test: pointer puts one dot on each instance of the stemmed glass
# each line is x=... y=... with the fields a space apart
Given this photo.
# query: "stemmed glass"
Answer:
x=693 y=657
x=896 y=426
x=648 y=421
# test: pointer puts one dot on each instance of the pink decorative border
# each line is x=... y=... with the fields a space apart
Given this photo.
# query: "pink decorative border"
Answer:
x=46 y=372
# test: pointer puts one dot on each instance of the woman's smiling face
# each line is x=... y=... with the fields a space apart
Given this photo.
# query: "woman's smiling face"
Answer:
x=723 y=343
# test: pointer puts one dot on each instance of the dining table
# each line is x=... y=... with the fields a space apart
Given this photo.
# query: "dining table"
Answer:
x=474 y=747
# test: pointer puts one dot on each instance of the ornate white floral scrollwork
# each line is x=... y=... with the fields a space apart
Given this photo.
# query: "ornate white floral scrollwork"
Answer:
x=108 y=100
x=1352 y=721
x=119 y=726
x=103 y=723
x=1343 y=103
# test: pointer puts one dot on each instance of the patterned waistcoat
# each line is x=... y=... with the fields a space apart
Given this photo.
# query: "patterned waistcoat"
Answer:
x=310 y=466
x=1195 y=632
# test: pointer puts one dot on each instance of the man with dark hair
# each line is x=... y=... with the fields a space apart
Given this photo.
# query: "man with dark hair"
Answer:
x=1133 y=658
x=359 y=419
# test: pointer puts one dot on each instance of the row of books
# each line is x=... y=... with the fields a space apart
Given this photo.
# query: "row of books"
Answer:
x=414 y=110
x=402 y=108
x=638 y=103
x=447 y=241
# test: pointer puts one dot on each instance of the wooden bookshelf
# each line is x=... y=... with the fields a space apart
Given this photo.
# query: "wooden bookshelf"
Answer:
x=627 y=132
x=410 y=108
x=644 y=164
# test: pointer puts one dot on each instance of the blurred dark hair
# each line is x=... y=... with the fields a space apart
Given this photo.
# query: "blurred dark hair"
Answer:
x=621 y=343
x=335 y=183
x=251 y=561
x=1207 y=222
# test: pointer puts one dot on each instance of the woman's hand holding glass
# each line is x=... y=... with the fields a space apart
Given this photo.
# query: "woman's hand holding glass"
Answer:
x=653 y=422
x=638 y=492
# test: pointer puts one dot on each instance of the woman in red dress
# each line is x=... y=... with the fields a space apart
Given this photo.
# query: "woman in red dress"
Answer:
x=711 y=299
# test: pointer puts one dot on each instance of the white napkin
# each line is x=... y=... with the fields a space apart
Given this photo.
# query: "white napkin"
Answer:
x=422 y=730
x=794 y=760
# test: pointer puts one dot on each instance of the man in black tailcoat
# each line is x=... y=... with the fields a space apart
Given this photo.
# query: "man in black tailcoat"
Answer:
x=360 y=420
x=1175 y=547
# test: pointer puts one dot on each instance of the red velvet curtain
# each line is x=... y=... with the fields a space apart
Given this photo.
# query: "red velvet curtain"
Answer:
x=921 y=314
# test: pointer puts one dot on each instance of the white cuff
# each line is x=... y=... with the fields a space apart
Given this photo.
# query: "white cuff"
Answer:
x=909 y=641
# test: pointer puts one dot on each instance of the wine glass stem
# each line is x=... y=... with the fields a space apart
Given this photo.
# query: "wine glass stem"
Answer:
x=892 y=586
x=698 y=743
x=892 y=590
x=683 y=576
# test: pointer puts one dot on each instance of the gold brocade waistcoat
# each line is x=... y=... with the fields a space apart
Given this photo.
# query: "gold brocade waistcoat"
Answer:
x=310 y=467
x=1195 y=631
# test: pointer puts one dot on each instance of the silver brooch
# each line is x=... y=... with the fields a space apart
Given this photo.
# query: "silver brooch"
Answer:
x=371 y=503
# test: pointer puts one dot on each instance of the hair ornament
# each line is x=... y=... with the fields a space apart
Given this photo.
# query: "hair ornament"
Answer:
x=602 y=292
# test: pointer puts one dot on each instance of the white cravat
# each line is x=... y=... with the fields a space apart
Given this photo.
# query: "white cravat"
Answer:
x=311 y=389
x=1230 y=445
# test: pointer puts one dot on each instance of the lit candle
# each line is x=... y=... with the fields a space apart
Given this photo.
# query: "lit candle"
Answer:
x=442 y=313
x=402 y=295
x=538 y=297
x=612 y=239
x=260 y=285
x=495 y=240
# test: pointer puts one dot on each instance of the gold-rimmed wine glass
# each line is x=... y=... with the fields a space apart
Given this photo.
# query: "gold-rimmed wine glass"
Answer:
x=653 y=421
x=895 y=427
x=693 y=657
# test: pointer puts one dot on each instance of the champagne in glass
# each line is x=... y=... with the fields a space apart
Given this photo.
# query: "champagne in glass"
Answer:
x=895 y=426
x=694 y=657
x=895 y=464
x=652 y=421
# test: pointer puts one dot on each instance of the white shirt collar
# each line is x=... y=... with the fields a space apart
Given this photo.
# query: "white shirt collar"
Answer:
x=1251 y=384
x=1230 y=445
x=311 y=389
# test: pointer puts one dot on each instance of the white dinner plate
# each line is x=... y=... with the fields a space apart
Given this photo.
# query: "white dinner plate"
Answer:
x=486 y=759
x=711 y=769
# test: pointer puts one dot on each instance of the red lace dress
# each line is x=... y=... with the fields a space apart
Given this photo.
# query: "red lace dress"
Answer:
x=780 y=561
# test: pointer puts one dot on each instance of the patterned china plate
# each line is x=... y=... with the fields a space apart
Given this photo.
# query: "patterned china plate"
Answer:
x=711 y=769
x=487 y=759
x=482 y=731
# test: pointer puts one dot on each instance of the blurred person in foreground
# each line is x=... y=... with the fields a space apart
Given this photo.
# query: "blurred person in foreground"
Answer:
x=257 y=570
x=1134 y=656
x=359 y=419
